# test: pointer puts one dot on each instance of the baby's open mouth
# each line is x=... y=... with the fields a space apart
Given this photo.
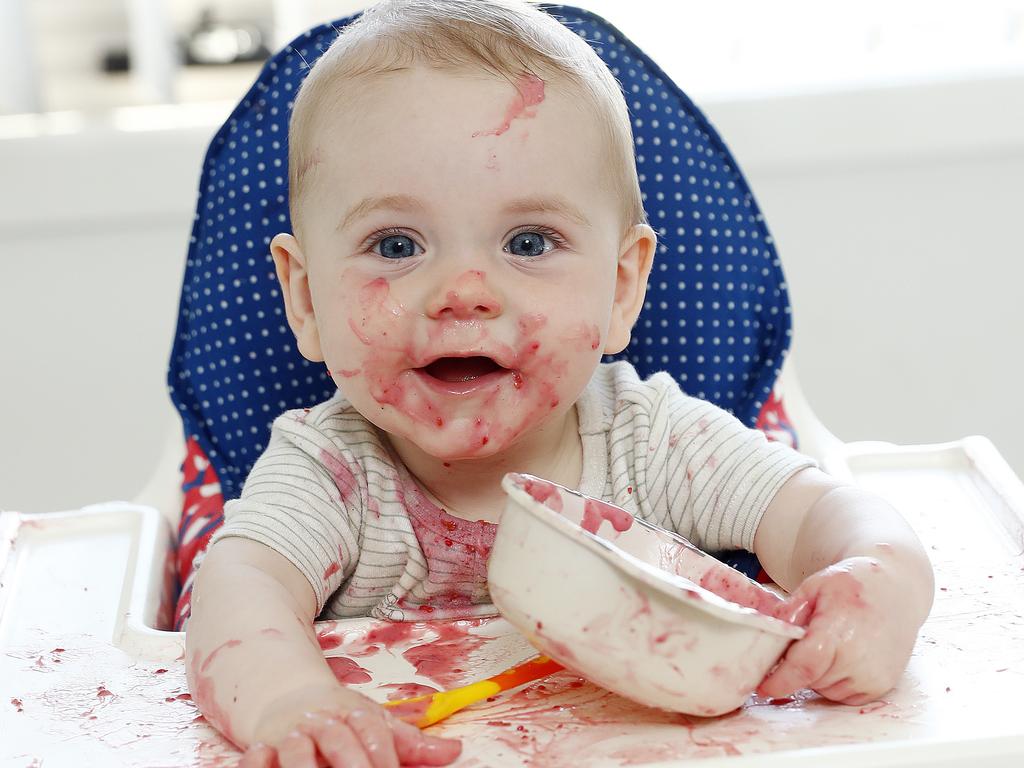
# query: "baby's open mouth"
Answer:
x=459 y=369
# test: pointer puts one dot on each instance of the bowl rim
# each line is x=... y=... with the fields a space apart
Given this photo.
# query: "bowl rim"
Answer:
x=668 y=584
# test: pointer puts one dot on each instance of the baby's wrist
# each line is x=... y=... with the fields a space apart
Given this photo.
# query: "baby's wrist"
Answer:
x=288 y=711
x=907 y=571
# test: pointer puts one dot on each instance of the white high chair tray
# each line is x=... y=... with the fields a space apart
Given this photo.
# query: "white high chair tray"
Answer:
x=85 y=679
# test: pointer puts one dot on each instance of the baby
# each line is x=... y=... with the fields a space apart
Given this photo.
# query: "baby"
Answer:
x=469 y=240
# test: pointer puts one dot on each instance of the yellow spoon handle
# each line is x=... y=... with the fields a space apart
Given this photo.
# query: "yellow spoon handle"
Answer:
x=426 y=710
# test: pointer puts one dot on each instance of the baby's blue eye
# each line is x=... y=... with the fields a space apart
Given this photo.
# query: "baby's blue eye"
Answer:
x=527 y=244
x=396 y=247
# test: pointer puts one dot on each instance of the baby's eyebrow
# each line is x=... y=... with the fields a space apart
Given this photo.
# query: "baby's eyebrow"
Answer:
x=405 y=203
x=368 y=205
x=556 y=205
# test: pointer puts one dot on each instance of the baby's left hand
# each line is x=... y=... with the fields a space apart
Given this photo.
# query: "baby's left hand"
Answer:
x=861 y=625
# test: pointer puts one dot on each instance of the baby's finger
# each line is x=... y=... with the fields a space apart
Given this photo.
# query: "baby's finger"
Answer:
x=258 y=756
x=297 y=751
x=375 y=734
x=858 y=699
x=340 y=745
x=418 y=748
x=805 y=662
x=838 y=691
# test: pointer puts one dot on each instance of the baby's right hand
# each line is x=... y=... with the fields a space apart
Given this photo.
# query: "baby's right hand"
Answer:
x=343 y=729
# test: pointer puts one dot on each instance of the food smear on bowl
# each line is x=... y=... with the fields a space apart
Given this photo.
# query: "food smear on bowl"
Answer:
x=629 y=605
x=733 y=586
x=736 y=588
x=543 y=491
x=596 y=511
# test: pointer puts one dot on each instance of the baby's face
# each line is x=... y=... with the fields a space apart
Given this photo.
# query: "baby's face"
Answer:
x=461 y=244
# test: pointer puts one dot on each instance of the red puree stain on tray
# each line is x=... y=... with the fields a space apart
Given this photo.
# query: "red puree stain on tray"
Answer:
x=348 y=671
x=443 y=658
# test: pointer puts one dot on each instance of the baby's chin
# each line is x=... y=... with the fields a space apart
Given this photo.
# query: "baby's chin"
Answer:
x=460 y=439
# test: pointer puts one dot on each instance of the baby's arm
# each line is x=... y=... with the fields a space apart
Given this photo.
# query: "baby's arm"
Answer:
x=861 y=583
x=258 y=675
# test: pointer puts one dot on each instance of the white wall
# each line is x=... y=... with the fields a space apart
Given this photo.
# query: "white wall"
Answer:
x=94 y=227
x=897 y=216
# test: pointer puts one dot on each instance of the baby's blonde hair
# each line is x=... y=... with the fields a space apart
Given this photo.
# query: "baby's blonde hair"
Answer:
x=508 y=38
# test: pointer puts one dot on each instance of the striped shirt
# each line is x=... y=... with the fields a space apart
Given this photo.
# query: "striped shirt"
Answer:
x=330 y=496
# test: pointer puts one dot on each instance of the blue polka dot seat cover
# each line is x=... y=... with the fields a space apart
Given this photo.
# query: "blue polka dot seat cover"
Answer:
x=716 y=315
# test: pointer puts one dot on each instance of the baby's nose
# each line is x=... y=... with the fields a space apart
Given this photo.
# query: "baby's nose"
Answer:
x=469 y=296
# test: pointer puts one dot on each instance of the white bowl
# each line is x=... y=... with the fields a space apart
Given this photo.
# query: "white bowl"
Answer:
x=628 y=605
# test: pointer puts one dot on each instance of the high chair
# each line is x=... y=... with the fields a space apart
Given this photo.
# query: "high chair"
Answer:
x=92 y=671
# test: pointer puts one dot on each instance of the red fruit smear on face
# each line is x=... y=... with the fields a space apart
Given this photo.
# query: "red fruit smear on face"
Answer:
x=529 y=93
x=347 y=671
x=459 y=369
x=594 y=511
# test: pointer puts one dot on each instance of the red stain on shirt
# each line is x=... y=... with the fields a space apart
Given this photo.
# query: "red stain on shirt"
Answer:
x=456 y=551
x=344 y=478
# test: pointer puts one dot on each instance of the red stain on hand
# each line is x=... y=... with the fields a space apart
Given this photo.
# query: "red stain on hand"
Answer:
x=205 y=694
x=410 y=711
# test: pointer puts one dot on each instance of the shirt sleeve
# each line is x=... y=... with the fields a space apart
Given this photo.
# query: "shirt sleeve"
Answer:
x=303 y=500
x=706 y=475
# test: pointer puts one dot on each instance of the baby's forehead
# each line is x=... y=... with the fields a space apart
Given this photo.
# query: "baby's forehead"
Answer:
x=347 y=102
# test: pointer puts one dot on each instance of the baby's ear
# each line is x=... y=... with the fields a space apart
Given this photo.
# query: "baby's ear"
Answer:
x=290 y=263
x=636 y=255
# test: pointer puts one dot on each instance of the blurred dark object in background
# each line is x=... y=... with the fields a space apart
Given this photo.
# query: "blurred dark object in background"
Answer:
x=209 y=42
